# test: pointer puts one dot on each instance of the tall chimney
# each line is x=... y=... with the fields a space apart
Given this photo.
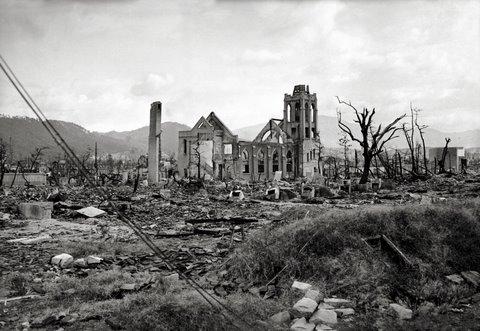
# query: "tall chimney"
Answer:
x=154 y=141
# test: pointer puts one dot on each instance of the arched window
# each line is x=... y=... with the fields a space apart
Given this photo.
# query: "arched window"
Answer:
x=289 y=109
x=289 y=161
x=275 y=162
x=184 y=146
x=261 y=162
x=245 y=162
x=297 y=112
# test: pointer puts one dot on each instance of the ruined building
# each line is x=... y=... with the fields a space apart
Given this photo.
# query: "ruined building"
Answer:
x=289 y=145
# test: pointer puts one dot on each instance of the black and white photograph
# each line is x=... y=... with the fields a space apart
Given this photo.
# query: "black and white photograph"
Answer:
x=298 y=165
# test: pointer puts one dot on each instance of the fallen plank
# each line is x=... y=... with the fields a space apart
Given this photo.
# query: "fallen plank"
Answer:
x=235 y=220
x=399 y=253
x=23 y=297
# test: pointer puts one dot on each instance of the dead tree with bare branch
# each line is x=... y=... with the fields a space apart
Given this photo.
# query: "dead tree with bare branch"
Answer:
x=441 y=162
x=371 y=142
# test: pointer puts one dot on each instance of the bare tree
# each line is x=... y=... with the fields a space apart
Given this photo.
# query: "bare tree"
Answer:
x=3 y=160
x=372 y=142
x=441 y=162
x=345 y=143
x=421 y=129
x=35 y=156
x=320 y=147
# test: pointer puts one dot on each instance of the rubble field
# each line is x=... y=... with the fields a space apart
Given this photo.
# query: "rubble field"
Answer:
x=405 y=256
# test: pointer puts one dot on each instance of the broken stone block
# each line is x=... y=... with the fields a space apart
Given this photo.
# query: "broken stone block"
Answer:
x=36 y=210
x=341 y=312
x=301 y=287
x=172 y=279
x=304 y=308
x=128 y=287
x=80 y=263
x=93 y=260
x=4 y=216
x=90 y=212
x=301 y=324
x=323 y=305
x=321 y=327
x=326 y=316
x=314 y=295
x=338 y=303
x=273 y=193
x=402 y=312
x=456 y=278
x=236 y=195
x=62 y=260
x=472 y=277
x=281 y=317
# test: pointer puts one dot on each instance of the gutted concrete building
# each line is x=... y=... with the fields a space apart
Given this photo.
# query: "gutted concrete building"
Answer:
x=289 y=145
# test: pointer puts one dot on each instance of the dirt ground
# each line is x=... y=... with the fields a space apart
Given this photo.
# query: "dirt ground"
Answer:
x=198 y=230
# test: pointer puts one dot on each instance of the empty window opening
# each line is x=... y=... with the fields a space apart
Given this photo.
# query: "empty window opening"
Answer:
x=275 y=163
x=261 y=162
x=289 y=161
x=227 y=149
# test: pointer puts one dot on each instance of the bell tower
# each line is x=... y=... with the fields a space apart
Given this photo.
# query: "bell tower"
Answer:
x=300 y=113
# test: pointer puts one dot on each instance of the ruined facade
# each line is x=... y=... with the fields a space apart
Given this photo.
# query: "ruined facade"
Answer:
x=289 y=145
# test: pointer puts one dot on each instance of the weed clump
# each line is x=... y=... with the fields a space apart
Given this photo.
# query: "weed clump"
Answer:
x=328 y=248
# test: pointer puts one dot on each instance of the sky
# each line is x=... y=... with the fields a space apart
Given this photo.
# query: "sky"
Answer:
x=101 y=63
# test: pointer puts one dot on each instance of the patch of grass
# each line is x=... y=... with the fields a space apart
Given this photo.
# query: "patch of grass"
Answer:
x=439 y=239
x=17 y=283
x=96 y=287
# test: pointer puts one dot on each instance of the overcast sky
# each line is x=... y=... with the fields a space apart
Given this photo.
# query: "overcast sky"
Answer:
x=101 y=63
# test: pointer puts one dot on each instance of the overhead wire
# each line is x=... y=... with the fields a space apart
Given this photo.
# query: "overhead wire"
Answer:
x=212 y=300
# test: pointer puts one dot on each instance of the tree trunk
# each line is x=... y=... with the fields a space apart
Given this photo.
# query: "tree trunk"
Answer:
x=367 y=160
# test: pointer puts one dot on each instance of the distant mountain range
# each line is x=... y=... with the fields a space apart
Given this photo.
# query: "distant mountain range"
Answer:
x=26 y=134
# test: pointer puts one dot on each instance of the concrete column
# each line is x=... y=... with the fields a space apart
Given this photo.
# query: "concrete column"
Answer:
x=154 y=141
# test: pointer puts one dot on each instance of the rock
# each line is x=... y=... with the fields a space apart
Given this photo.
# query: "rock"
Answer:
x=402 y=312
x=326 y=316
x=93 y=260
x=172 y=279
x=341 y=312
x=281 y=317
x=338 y=303
x=304 y=307
x=4 y=216
x=302 y=287
x=90 y=212
x=36 y=210
x=62 y=260
x=128 y=287
x=323 y=305
x=302 y=325
x=456 y=278
x=472 y=277
x=70 y=291
x=80 y=263
x=321 y=327
x=314 y=295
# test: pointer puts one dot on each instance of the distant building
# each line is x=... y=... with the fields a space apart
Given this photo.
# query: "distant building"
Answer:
x=455 y=158
x=289 y=145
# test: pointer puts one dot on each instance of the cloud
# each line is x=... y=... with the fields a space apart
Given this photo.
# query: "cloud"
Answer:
x=151 y=85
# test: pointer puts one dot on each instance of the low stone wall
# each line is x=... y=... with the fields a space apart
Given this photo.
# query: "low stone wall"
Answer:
x=35 y=179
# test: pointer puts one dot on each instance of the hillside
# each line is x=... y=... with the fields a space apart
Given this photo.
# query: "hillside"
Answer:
x=139 y=138
x=27 y=134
